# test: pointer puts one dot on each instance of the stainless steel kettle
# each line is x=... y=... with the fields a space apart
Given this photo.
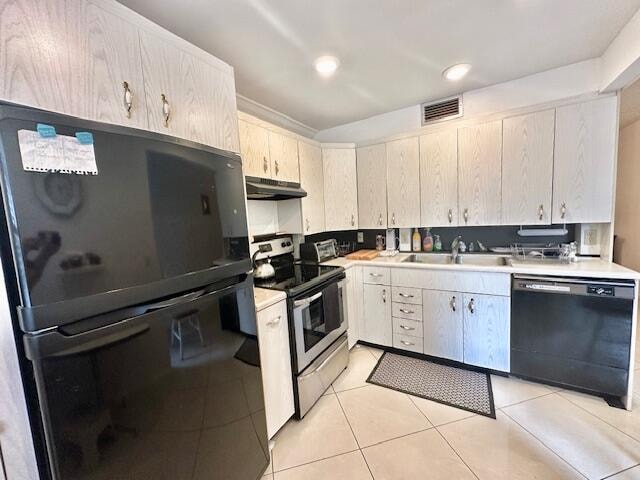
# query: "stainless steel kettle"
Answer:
x=264 y=270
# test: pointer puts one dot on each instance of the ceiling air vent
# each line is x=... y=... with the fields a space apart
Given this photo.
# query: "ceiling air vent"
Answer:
x=441 y=110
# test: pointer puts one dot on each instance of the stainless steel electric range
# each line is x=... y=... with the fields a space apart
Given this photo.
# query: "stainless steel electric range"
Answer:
x=316 y=301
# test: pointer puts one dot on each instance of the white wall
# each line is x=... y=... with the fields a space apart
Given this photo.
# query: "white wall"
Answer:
x=621 y=59
x=564 y=82
x=627 y=220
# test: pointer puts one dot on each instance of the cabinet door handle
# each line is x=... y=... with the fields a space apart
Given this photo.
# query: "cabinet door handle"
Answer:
x=166 y=110
x=307 y=222
x=265 y=164
x=472 y=306
x=384 y=295
x=275 y=321
x=450 y=216
x=408 y=312
x=466 y=215
x=563 y=210
x=405 y=295
x=393 y=219
x=404 y=327
x=380 y=219
x=453 y=303
x=277 y=168
x=127 y=99
x=408 y=344
x=353 y=220
x=541 y=212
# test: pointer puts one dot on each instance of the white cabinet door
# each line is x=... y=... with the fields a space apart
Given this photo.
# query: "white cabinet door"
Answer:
x=372 y=186
x=311 y=180
x=110 y=87
x=486 y=331
x=439 y=179
x=403 y=183
x=354 y=304
x=479 y=170
x=527 y=168
x=275 y=362
x=283 y=151
x=340 y=189
x=442 y=324
x=584 y=159
x=376 y=319
x=254 y=149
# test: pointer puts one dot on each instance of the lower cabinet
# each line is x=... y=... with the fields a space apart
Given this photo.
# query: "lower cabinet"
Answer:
x=442 y=319
x=354 y=304
x=486 y=331
x=275 y=361
x=377 y=326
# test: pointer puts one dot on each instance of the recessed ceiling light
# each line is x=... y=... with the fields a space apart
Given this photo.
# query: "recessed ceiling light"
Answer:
x=456 y=72
x=326 y=65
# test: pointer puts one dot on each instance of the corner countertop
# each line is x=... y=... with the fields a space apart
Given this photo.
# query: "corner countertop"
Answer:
x=265 y=298
x=584 y=267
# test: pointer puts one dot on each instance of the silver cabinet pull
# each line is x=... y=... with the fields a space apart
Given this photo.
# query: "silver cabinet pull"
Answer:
x=450 y=216
x=275 y=321
x=408 y=344
x=380 y=219
x=166 y=110
x=472 y=306
x=127 y=99
x=405 y=295
x=563 y=210
x=404 y=327
x=384 y=295
x=376 y=275
x=307 y=222
x=408 y=312
x=277 y=168
x=353 y=220
x=393 y=219
x=541 y=212
x=453 y=303
x=466 y=215
x=265 y=164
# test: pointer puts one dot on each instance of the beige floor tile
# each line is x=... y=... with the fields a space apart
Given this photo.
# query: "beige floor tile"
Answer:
x=329 y=391
x=439 y=414
x=349 y=466
x=377 y=352
x=268 y=477
x=501 y=449
x=586 y=442
x=322 y=433
x=631 y=474
x=510 y=390
x=417 y=456
x=377 y=414
x=361 y=363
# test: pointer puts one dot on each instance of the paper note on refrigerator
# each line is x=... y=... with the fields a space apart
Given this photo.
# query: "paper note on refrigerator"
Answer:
x=59 y=154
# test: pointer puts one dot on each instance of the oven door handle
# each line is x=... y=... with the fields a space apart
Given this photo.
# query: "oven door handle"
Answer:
x=306 y=301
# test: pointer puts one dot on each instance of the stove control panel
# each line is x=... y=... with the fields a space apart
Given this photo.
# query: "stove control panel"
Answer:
x=271 y=248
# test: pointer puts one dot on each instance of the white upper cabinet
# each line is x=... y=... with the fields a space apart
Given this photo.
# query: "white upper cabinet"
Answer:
x=584 y=159
x=439 y=179
x=403 y=183
x=479 y=171
x=340 y=188
x=372 y=186
x=311 y=180
x=527 y=168
x=283 y=151
x=254 y=149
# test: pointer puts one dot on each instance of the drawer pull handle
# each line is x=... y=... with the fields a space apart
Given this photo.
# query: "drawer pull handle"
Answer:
x=376 y=274
x=408 y=312
x=127 y=99
x=404 y=327
x=405 y=295
x=408 y=344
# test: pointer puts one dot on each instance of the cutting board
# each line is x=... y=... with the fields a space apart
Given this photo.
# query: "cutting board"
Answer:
x=362 y=255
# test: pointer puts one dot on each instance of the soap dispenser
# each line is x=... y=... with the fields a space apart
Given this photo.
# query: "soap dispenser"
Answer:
x=427 y=241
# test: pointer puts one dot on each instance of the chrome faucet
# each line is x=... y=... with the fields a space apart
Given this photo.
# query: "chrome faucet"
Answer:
x=455 y=249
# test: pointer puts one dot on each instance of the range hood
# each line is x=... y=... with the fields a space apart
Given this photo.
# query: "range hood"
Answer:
x=268 y=189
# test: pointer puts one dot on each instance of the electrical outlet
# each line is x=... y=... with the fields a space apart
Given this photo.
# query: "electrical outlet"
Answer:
x=360 y=237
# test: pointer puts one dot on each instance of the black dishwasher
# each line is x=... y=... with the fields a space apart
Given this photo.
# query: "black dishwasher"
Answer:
x=573 y=332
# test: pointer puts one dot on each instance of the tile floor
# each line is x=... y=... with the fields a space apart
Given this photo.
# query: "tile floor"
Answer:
x=361 y=431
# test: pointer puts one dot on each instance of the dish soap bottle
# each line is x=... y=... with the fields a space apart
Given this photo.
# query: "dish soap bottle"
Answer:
x=427 y=241
x=437 y=245
x=416 y=240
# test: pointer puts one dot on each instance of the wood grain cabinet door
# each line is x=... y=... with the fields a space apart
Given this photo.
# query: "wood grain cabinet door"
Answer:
x=442 y=324
x=283 y=151
x=527 y=168
x=584 y=160
x=372 y=186
x=340 y=188
x=479 y=172
x=254 y=149
x=403 y=183
x=486 y=331
x=439 y=179
x=311 y=180
x=377 y=326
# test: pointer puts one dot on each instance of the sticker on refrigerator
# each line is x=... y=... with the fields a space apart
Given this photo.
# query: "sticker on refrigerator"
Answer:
x=57 y=154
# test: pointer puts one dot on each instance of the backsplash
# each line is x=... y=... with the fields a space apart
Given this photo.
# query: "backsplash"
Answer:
x=496 y=236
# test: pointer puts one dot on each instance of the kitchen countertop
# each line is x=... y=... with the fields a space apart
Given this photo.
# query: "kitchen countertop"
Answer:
x=584 y=267
x=265 y=298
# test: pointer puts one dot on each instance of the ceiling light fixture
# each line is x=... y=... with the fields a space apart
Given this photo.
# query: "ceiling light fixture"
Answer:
x=327 y=65
x=456 y=72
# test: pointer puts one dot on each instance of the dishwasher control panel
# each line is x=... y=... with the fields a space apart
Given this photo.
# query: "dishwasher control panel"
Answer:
x=601 y=290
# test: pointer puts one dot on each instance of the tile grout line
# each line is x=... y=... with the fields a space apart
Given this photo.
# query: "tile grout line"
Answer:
x=313 y=461
x=544 y=444
x=621 y=471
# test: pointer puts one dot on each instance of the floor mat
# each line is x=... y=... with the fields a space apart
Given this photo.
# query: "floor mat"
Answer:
x=457 y=387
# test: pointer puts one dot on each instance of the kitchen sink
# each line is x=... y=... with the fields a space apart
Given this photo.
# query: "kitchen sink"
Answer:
x=463 y=259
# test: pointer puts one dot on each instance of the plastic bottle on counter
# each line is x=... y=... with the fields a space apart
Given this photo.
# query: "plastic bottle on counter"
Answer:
x=427 y=241
x=437 y=244
x=416 y=240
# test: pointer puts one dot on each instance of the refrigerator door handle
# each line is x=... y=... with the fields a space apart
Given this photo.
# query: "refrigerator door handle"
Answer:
x=104 y=340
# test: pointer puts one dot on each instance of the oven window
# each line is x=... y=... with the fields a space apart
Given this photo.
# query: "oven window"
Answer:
x=313 y=324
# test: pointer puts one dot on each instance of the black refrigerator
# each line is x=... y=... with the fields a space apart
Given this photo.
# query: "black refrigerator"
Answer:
x=127 y=260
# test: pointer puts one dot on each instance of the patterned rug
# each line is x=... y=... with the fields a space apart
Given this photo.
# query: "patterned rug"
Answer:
x=453 y=386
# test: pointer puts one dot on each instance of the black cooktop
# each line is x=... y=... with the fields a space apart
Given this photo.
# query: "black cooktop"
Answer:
x=298 y=277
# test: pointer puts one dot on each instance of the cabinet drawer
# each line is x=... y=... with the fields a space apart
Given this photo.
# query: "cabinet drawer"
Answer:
x=404 y=326
x=488 y=283
x=377 y=275
x=406 y=310
x=406 y=342
x=407 y=295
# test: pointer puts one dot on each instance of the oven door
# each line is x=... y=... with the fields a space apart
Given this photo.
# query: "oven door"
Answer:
x=312 y=334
